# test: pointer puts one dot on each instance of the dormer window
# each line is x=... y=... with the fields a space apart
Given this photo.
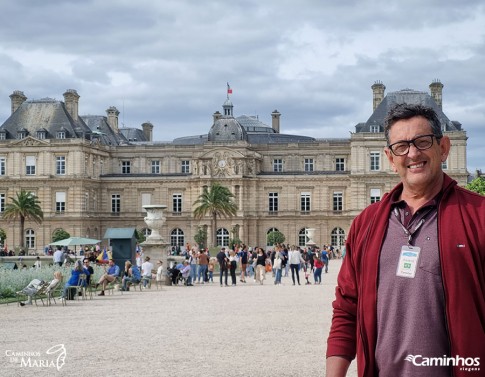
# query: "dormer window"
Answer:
x=374 y=128
x=60 y=135
x=21 y=134
x=41 y=135
x=3 y=135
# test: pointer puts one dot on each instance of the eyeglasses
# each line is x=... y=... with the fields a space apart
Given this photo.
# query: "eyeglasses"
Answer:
x=421 y=143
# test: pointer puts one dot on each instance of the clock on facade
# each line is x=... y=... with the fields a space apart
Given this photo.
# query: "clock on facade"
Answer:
x=221 y=163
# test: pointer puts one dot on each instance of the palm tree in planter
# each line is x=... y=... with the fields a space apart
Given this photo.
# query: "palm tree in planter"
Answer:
x=26 y=206
x=217 y=201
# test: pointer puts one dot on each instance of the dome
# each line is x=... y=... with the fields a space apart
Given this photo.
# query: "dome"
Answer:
x=227 y=129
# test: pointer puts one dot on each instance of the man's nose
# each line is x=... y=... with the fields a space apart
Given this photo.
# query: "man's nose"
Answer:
x=413 y=151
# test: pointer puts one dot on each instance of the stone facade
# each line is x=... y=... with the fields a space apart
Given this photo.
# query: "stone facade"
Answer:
x=97 y=177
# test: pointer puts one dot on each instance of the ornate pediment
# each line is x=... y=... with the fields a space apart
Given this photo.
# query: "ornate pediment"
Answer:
x=226 y=162
x=29 y=141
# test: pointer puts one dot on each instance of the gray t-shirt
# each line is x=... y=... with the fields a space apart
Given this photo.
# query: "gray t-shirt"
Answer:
x=411 y=311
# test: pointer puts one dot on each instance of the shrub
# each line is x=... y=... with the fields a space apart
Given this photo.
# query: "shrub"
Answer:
x=12 y=281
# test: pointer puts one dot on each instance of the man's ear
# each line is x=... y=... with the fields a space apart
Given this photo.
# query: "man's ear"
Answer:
x=445 y=146
x=390 y=157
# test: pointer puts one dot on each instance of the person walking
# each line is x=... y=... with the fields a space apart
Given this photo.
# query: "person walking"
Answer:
x=193 y=265
x=324 y=257
x=277 y=267
x=317 y=273
x=232 y=266
x=210 y=268
x=202 y=269
x=260 y=274
x=295 y=260
x=243 y=257
x=223 y=265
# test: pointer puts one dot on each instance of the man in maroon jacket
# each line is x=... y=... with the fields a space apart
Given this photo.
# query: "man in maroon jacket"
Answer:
x=410 y=299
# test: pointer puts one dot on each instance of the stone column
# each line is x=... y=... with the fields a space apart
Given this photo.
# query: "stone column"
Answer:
x=155 y=246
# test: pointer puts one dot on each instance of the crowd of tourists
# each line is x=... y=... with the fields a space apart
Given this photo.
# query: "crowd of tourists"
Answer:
x=243 y=262
x=199 y=267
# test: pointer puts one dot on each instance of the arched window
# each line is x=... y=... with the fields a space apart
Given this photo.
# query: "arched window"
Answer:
x=302 y=237
x=338 y=237
x=270 y=230
x=222 y=237
x=177 y=237
x=30 y=239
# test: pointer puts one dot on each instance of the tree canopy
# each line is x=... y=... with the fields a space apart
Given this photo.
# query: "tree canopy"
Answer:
x=275 y=237
x=60 y=234
x=216 y=201
x=477 y=185
x=25 y=206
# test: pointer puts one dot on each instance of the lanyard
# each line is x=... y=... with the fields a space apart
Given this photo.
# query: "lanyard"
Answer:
x=408 y=232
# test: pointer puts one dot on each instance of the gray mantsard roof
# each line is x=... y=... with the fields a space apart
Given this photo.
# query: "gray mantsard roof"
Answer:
x=100 y=129
x=50 y=116
x=46 y=114
x=133 y=134
x=409 y=96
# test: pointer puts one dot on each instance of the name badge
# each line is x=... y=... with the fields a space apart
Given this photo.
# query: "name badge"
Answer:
x=408 y=261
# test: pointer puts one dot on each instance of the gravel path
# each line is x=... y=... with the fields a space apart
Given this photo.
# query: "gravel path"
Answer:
x=205 y=330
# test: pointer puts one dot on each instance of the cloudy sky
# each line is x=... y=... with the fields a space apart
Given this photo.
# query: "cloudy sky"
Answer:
x=314 y=61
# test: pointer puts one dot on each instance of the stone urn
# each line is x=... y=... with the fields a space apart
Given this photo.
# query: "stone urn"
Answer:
x=154 y=220
x=310 y=233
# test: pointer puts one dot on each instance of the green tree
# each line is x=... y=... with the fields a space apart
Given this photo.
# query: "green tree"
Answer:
x=26 y=206
x=477 y=185
x=140 y=237
x=201 y=236
x=60 y=234
x=3 y=236
x=216 y=201
x=275 y=237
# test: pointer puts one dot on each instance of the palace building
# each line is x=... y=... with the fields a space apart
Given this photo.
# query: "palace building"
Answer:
x=90 y=174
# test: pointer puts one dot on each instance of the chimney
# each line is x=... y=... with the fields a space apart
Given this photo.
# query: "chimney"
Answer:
x=148 y=131
x=216 y=116
x=71 y=99
x=275 y=121
x=378 y=90
x=113 y=118
x=17 y=98
x=436 y=88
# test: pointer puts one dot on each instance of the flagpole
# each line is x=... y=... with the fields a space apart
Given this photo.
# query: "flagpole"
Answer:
x=229 y=90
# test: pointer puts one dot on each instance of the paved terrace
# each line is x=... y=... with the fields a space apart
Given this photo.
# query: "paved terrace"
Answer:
x=248 y=330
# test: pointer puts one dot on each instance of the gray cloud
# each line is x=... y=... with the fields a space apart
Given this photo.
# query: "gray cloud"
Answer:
x=168 y=62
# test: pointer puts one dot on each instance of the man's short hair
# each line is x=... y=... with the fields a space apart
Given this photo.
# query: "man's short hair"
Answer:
x=402 y=111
